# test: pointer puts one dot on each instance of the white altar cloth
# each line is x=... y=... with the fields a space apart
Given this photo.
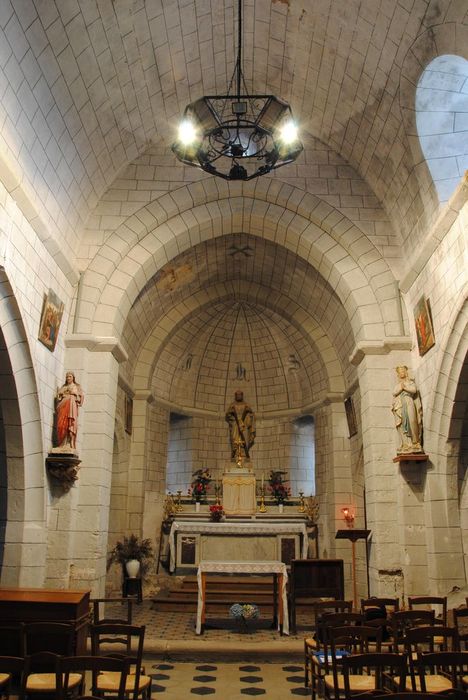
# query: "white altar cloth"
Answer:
x=259 y=568
x=236 y=528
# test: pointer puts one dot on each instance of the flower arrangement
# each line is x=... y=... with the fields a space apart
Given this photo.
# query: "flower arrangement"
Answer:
x=243 y=612
x=278 y=488
x=200 y=484
x=131 y=548
x=216 y=512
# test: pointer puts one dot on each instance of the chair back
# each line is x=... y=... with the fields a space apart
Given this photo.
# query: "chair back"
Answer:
x=384 y=667
x=94 y=665
x=322 y=607
x=57 y=637
x=112 y=610
x=451 y=664
x=403 y=620
x=430 y=602
x=390 y=605
x=118 y=640
x=13 y=667
x=460 y=621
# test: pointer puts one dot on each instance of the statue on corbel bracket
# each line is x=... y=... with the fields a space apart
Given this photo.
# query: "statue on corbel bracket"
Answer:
x=63 y=462
x=407 y=411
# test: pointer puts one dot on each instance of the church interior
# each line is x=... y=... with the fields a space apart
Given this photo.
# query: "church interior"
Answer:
x=162 y=323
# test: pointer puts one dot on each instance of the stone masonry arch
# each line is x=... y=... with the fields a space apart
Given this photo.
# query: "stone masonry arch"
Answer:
x=301 y=222
x=25 y=537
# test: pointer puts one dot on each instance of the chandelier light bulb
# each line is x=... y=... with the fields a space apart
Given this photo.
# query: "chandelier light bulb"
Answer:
x=187 y=132
x=289 y=133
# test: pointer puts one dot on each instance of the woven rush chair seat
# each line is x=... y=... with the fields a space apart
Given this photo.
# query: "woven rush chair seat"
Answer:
x=10 y=666
x=424 y=640
x=342 y=643
x=121 y=641
x=449 y=665
x=385 y=671
x=96 y=666
x=317 y=659
x=47 y=681
x=311 y=643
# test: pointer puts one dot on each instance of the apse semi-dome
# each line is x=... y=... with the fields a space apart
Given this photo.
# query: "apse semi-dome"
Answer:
x=236 y=344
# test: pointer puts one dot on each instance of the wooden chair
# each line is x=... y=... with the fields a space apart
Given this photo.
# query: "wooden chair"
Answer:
x=341 y=642
x=425 y=640
x=70 y=666
x=311 y=644
x=58 y=637
x=403 y=620
x=122 y=641
x=450 y=666
x=460 y=621
x=312 y=579
x=11 y=667
x=42 y=675
x=99 y=606
x=318 y=657
x=377 y=612
x=430 y=602
x=371 y=672
x=43 y=643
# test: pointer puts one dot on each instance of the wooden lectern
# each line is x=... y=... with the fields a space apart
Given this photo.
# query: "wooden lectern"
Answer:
x=353 y=535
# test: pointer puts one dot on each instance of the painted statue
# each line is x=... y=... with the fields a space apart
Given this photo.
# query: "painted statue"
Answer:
x=407 y=410
x=241 y=420
x=68 y=399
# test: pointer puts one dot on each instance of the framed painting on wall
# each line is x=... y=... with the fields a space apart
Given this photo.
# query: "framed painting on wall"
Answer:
x=51 y=318
x=424 y=327
x=350 y=416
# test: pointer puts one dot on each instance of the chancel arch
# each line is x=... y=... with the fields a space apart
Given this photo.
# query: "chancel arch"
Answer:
x=320 y=235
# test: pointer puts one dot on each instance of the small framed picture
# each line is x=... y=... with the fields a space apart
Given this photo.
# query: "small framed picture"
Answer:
x=51 y=318
x=350 y=416
x=424 y=327
x=128 y=412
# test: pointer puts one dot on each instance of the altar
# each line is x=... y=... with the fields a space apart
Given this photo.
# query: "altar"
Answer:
x=193 y=541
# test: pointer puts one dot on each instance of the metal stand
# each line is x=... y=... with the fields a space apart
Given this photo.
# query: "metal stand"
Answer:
x=353 y=535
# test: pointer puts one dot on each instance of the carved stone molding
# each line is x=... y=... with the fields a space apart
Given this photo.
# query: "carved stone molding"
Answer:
x=63 y=469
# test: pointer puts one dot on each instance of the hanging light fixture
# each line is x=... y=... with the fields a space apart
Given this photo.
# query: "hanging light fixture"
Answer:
x=237 y=136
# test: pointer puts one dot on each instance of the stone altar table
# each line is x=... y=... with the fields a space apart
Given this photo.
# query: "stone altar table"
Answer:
x=257 y=568
x=241 y=530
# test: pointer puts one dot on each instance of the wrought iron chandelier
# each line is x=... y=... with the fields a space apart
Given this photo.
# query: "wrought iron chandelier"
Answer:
x=237 y=136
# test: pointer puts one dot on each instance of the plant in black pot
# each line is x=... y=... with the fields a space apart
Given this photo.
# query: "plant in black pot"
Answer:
x=133 y=554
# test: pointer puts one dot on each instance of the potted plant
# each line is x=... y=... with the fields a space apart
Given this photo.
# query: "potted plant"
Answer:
x=133 y=554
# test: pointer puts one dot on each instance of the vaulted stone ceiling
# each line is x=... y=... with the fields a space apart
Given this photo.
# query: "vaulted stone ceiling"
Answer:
x=85 y=87
x=238 y=311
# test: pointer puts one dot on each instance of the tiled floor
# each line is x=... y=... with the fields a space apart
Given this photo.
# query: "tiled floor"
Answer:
x=181 y=626
x=227 y=681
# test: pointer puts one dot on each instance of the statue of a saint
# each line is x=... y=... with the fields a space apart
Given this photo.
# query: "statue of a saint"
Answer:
x=241 y=420
x=68 y=398
x=407 y=410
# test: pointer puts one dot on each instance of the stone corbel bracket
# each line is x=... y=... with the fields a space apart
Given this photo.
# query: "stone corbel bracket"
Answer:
x=63 y=469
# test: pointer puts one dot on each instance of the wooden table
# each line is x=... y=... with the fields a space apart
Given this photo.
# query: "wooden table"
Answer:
x=256 y=568
x=37 y=604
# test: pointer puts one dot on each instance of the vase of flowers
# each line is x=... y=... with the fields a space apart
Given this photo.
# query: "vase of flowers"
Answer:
x=131 y=549
x=243 y=612
x=216 y=512
x=278 y=488
x=200 y=485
